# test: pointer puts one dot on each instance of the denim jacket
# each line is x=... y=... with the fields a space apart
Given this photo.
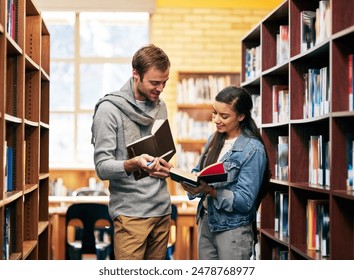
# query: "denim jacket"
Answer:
x=234 y=206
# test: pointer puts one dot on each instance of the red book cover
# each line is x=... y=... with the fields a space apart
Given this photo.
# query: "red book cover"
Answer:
x=350 y=81
x=210 y=174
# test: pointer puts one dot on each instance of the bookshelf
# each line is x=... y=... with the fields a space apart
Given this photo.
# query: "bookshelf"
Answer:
x=24 y=130
x=331 y=118
x=195 y=95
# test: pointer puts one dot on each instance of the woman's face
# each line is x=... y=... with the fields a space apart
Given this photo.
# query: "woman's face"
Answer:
x=226 y=119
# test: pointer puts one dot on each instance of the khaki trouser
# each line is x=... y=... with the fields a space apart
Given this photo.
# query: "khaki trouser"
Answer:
x=141 y=238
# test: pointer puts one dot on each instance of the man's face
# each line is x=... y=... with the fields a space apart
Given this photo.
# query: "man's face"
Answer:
x=151 y=86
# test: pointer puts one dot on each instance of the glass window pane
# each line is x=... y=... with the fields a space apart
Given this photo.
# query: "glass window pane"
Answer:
x=104 y=37
x=61 y=139
x=84 y=146
x=61 y=26
x=62 y=86
x=96 y=80
x=112 y=34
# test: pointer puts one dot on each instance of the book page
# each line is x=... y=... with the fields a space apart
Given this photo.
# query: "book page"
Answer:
x=156 y=125
x=139 y=140
x=183 y=174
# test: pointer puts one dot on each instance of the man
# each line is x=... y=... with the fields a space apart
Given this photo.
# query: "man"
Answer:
x=140 y=209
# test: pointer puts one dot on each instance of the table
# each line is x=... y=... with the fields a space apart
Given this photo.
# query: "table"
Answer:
x=186 y=240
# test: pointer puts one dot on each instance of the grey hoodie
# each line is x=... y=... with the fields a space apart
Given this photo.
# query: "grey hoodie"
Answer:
x=117 y=121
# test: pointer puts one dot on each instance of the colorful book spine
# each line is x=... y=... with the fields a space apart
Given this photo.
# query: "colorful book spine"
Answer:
x=351 y=81
x=9 y=165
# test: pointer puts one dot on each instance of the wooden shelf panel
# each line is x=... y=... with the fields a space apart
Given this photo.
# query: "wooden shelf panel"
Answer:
x=335 y=125
x=24 y=125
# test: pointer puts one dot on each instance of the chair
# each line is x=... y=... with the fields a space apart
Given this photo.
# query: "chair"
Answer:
x=173 y=234
x=86 y=191
x=91 y=231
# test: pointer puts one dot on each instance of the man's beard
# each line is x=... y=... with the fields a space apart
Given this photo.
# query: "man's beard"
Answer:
x=142 y=92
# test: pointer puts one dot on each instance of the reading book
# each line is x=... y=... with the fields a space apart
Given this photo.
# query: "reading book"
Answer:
x=158 y=144
x=210 y=174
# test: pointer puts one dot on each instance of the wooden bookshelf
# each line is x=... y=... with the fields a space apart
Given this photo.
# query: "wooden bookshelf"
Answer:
x=195 y=95
x=334 y=125
x=24 y=126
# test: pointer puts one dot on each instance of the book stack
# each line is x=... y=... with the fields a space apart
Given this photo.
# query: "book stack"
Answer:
x=281 y=199
x=280 y=98
x=351 y=81
x=282 y=160
x=317 y=213
x=308 y=30
x=253 y=62
x=283 y=48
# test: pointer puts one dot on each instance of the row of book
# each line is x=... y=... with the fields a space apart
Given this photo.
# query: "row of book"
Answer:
x=253 y=63
x=6 y=250
x=317 y=225
x=316 y=92
x=350 y=162
x=190 y=128
x=186 y=160
x=280 y=98
x=315 y=26
x=201 y=90
x=319 y=169
x=282 y=159
x=11 y=18
x=8 y=168
x=280 y=253
x=282 y=44
x=281 y=217
x=256 y=109
x=319 y=163
x=351 y=81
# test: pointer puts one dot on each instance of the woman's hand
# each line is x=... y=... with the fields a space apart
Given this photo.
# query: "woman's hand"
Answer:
x=203 y=187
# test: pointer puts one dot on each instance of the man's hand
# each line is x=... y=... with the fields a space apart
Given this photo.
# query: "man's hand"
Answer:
x=159 y=168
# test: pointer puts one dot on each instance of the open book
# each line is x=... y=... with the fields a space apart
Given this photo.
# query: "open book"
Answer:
x=210 y=174
x=158 y=144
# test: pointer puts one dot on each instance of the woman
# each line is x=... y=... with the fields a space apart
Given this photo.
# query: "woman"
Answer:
x=227 y=211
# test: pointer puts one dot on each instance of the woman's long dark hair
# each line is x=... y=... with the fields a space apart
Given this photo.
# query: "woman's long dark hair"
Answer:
x=241 y=101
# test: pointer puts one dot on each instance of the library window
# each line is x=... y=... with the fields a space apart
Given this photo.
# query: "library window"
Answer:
x=90 y=56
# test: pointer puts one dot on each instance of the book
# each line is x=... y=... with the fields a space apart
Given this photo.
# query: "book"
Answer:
x=211 y=174
x=283 y=215
x=317 y=217
x=5 y=166
x=9 y=166
x=324 y=229
x=323 y=21
x=157 y=144
x=282 y=159
x=351 y=81
x=275 y=98
x=307 y=29
x=277 y=210
x=350 y=157
x=7 y=235
x=284 y=49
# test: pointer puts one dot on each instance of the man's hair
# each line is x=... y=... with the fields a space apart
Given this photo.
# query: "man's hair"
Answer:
x=148 y=57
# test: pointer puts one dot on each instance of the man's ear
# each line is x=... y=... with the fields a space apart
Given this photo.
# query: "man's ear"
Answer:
x=135 y=74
